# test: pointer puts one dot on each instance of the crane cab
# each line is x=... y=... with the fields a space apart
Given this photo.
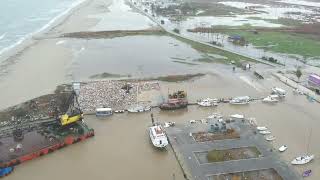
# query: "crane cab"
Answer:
x=66 y=119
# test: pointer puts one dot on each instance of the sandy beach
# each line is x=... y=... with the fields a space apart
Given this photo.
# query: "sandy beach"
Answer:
x=38 y=68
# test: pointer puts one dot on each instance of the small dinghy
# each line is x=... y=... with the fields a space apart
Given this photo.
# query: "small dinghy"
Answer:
x=208 y=102
x=270 y=99
x=169 y=124
x=119 y=111
x=283 y=148
x=270 y=138
x=237 y=116
x=302 y=160
x=265 y=132
x=262 y=128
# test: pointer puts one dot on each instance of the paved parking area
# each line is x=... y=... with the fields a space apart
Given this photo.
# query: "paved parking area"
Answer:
x=185 y=146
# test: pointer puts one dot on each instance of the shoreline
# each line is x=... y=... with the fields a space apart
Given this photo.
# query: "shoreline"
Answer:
x=30 y=39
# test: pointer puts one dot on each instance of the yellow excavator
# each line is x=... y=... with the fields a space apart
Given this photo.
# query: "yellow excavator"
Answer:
x=74 y=112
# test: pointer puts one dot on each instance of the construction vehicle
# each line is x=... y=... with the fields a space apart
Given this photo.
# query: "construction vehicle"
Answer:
x=74 y=112
x=178 y=95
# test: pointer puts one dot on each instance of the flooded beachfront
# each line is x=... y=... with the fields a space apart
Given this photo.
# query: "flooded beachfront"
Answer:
x=121 y=148
x=146 y=56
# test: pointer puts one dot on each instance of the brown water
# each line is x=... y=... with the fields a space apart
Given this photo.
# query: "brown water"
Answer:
x=121 y=148
x=137 y=56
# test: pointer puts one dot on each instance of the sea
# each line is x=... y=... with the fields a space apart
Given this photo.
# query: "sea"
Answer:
x=21 y=19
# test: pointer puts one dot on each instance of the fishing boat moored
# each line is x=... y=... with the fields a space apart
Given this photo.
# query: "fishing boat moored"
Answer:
x=138 y=109
x=302 y=159
x=270 y=138
x=283 y=148
x=240 y=100
x=158 y=136
x=270 y=99
x=262 y=128
x=208 y=102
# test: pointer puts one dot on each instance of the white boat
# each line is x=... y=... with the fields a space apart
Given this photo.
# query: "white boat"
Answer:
x=262 y=128
x=137 y=109
x=278 y=91
x=208 y=102
x=119 y=111
x=270 y=99
x=270 y=138
x=215 y=116
x=283 y=148
x=103 y=112
x=158 y=136
x=240 y=100
x=264 y=132
x=237 y=116
x=302 y=160
x=169 y=124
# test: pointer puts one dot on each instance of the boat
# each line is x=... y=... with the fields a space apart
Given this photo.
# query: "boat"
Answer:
x=174 y=104
x=138 y=109
x=270 y=99
x=119 y=111
x=283 y=148
x=262 y=128
x=302 y=160
x=176 y=100
x=278 y=91
x=158 y=136
x=237 y=116
x=240 y=100
x=264 y=132
x=270 y=138
x=103 y=112
x=306 y=173
x=169 y=124
x=208 y=102
x=215 y=116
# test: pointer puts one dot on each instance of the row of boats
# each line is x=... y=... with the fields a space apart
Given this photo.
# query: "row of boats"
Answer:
x=300 y=160
x=276 y=94
x=178 y=100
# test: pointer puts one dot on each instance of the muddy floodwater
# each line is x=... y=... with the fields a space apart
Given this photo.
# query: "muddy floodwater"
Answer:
x=142 y=56
x=121 y=148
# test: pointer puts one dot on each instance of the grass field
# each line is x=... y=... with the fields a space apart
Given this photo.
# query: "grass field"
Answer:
x=212 y=50
x=282 y=42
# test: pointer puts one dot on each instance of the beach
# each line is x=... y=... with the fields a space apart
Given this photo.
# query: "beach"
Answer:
x=37 y=66
x=121 y=148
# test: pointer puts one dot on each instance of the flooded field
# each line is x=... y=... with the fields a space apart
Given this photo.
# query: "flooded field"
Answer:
x=135 y=56
x=247 y=15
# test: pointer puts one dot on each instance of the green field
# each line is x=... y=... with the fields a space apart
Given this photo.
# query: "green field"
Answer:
x=282 y=42
x=207 y=50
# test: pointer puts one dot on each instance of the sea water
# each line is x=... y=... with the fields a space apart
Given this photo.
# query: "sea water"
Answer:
x=20 y=19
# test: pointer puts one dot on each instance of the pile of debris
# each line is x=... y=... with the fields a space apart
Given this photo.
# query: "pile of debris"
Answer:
x=118 y=95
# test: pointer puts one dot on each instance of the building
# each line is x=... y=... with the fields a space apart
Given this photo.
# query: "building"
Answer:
x=237 y=39
x=314 y=82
